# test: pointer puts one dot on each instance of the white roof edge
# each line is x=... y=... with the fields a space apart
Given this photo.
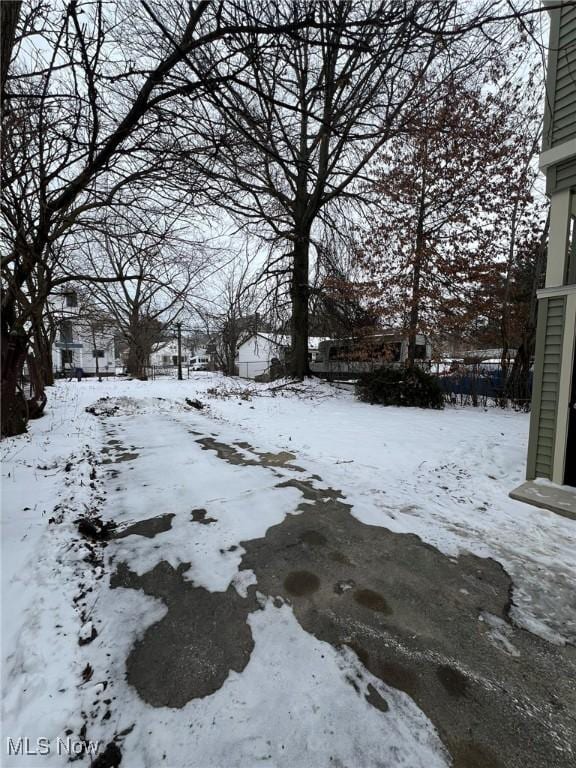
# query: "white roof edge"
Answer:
x=282 y=340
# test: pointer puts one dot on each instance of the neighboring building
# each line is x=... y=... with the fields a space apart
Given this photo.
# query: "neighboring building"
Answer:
x=165 y=354
x=82 y=341
x=552 y=441
x=260 y=351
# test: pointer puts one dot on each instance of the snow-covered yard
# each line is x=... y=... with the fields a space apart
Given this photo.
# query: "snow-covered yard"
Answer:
x=199 y=485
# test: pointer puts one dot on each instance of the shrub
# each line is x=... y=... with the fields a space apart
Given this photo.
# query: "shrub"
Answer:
x=400 y=386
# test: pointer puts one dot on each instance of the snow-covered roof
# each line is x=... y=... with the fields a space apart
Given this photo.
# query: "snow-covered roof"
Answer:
x=285 y=341
x=164 y=346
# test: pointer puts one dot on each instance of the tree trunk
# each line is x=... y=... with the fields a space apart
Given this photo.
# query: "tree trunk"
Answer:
x=414 y=319
x=138 y=357
x=15 y=340
x=95 y=353
x=14 y=408
x=43 y=340
x=299 y=292
x=136 y=363
x=230 y=360
x=9 y=13
x=505 y=315
x=37 y=400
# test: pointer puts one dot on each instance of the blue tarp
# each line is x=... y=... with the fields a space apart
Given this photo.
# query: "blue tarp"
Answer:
x=483 y=384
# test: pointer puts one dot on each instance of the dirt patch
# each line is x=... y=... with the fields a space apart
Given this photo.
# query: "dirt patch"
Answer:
x=226 y=452
x=149 y=528
x=118 y=458
x=232 y=455
x=110 y=758
x=103 y=408
x=95 y=528
x=374 y=698
x=199 y=516
x=196 y=404
x=281 y=459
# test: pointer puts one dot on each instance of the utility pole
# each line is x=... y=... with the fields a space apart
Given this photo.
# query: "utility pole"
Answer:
x=179 y=327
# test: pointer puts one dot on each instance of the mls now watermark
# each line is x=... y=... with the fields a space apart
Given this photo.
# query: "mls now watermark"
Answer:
x=43 y=746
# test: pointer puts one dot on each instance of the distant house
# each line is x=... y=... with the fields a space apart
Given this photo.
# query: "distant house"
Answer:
x=165 y=354
x=260 y=351
x=552 y=439
x=82 y=340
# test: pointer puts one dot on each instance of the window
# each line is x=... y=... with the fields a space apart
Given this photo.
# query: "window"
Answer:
x=97 y=353
x=420 y=352
x=67 y=357
x=71 y=299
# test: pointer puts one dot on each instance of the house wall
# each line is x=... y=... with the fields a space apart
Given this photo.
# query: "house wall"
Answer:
x=558 y=158
x=545 y=401
x=555 y=343
x=81 y=352
x=560 y=117
x=255 y=356
x=78 y=346
x=556 y=328
x=169 y=350
x=555 y=348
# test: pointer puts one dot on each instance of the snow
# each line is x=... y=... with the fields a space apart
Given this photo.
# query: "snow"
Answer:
x=442 y=475
x=292 y=706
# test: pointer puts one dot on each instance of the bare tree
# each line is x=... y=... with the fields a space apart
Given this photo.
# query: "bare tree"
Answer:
x=294 y=135
x=153 y=277
x=85 y=128
x=304 y=93
x=232 y=315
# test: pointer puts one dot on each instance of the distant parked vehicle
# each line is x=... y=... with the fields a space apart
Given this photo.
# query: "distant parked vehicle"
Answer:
x=199 y=363
x=339 y=359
